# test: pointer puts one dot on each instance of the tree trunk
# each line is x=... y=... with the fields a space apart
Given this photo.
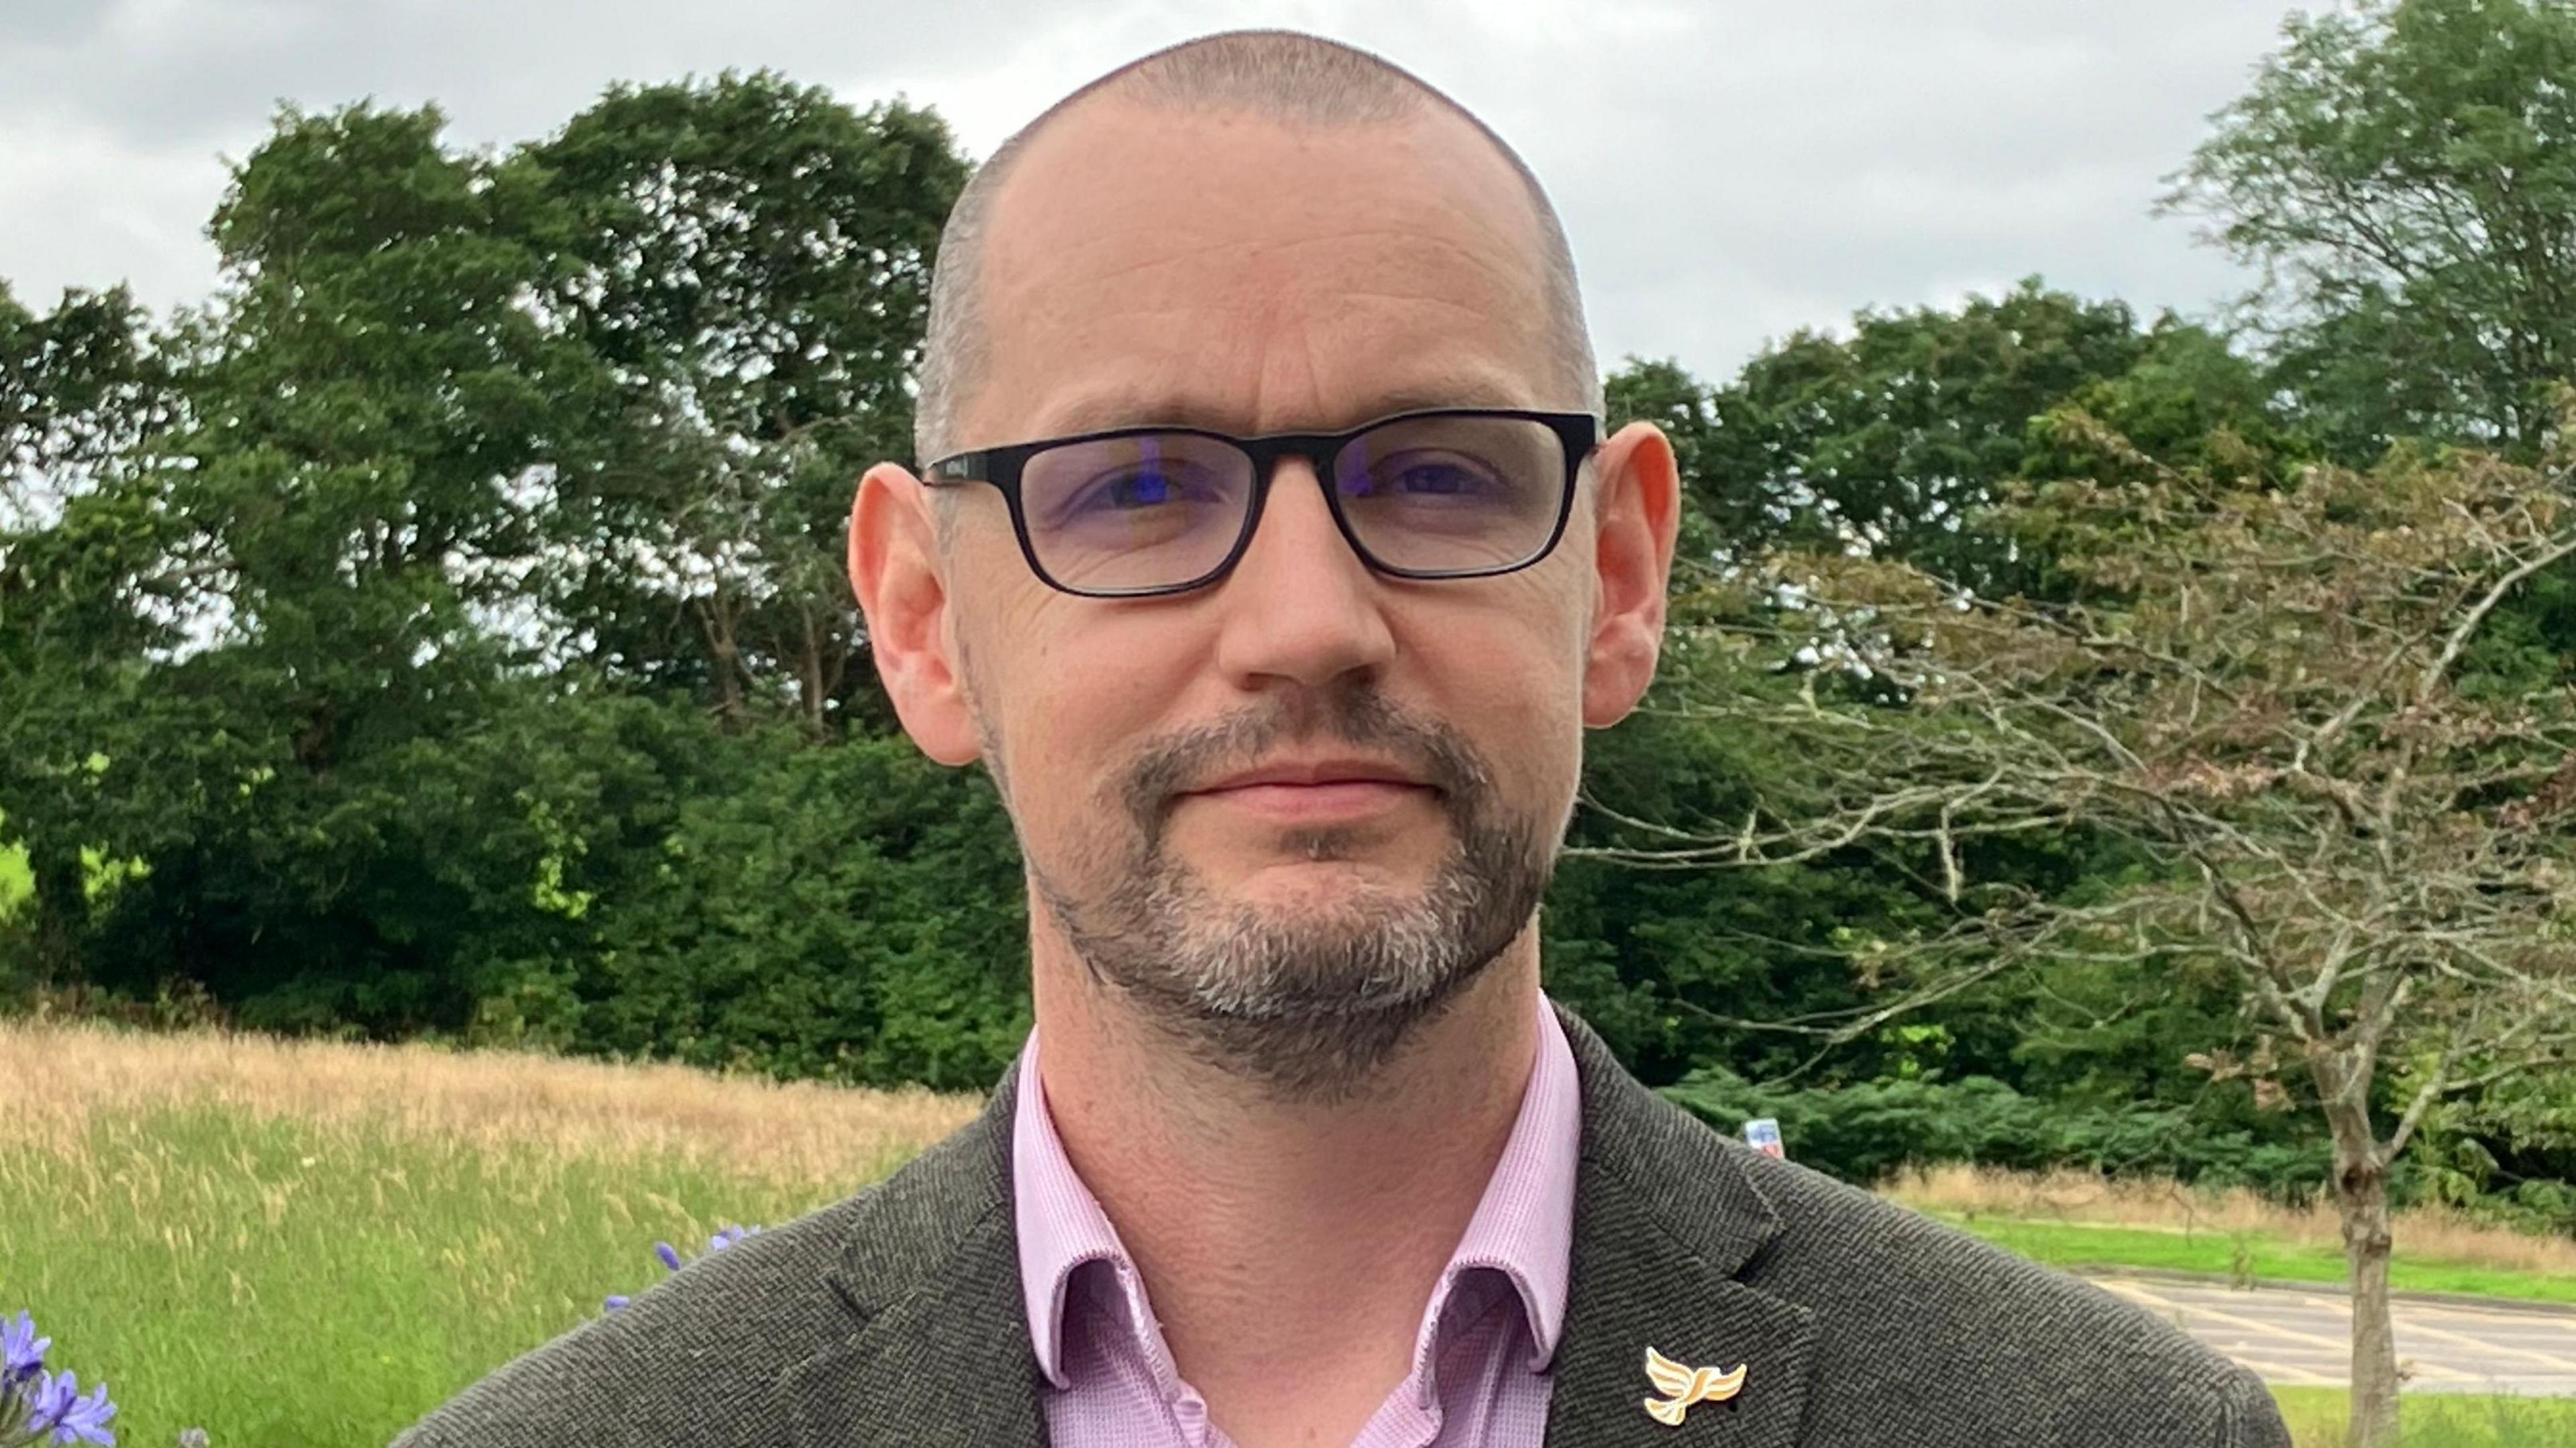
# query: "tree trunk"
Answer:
x=2361 y=1200
x=810 y=678
x=724 y=656
x=62 y=912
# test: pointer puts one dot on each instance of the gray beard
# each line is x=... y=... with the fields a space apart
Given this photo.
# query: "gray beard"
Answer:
x=1310 y=1007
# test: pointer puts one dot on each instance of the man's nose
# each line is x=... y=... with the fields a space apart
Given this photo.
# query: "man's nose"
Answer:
x=1300 y=604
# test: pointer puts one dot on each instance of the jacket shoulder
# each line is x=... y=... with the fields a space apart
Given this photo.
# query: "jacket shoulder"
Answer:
x=1919 y=1317
x=686 y=1362
x=1920 y=1335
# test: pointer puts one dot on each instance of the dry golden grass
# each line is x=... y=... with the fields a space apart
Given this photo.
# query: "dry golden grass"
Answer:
x=2070 y=1196
x=793 y=1135
x=301 y=1244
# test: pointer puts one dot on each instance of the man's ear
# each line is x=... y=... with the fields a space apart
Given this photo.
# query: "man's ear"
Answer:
x=1638 y=515
x=895 y=569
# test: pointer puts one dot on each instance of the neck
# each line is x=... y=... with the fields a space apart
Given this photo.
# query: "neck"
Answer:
x=1283 y=1243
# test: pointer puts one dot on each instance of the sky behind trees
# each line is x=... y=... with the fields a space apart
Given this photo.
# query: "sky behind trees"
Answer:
x=1728 y=171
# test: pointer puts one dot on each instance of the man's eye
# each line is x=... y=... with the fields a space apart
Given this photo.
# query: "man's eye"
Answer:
x=1423 y=477
x=1143 y=488
x=1438 y=478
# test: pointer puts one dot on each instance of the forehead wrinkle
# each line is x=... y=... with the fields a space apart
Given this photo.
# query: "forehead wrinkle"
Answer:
x=1198 y=252
x=1418 y=299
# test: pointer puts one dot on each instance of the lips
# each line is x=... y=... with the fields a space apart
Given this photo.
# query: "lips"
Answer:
x=1316 y=793
x=1315 y=773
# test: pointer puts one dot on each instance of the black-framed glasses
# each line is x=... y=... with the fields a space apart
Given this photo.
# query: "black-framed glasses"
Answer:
x=1450 y=492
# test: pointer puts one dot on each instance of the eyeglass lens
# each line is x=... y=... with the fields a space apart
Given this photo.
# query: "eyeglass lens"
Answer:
x=1438 y=495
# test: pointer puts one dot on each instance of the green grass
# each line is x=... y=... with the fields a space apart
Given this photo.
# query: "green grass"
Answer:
x=284 y=1285
x=2435 y=1420
x=2077 y=1246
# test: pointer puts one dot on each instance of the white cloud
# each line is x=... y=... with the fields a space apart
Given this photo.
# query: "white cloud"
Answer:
x=1727 y=171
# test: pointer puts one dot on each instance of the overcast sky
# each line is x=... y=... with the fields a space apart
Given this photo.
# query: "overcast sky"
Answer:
x=1728 y=169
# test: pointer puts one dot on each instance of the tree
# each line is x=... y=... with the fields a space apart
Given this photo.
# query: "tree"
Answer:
x=750 y=259
x=2404 y=174
x=373 y=659
x=85 y=593
x=498 y=534
x=1891 y=437
x=79 y=388
x=851 y=913
x=2336 y=781
x=261 y=620
x=1670 y=965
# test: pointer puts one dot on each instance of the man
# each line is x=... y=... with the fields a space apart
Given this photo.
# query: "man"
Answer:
x=1266 y=552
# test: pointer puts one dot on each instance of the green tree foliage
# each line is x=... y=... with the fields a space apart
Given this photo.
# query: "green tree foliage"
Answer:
x=357 y=675
x=1888 y=438
x=853 y=912
x=1684 y=967
x=86 y=594
x=366 y=400
x=369 y=399
x=2335 y=786
x=2509 y=1151
x=78 y=387
x=1868 y=1131
x=750 y=261
x=1892 y=440
x=2405 y=176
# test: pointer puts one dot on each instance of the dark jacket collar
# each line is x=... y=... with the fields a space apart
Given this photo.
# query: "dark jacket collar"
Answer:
x=930 y=1267
x=1664 y=1220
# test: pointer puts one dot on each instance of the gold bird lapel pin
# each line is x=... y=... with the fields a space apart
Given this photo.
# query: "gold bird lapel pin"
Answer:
x=1682 y=1386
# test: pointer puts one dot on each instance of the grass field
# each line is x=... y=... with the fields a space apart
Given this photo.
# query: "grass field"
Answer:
x=2436 y=1420
x=2077 y=1221
x=308 y=1244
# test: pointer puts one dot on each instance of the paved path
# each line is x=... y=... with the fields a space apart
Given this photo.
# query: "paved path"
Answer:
x=2298 y=1336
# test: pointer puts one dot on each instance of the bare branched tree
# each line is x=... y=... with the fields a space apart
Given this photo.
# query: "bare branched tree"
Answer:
x=2291 y=701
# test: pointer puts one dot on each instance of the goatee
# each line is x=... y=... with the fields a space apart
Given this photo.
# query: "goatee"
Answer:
x=1310 y=1006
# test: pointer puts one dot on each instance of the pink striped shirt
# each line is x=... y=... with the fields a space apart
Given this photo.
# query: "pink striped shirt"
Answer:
x=1480 y=1374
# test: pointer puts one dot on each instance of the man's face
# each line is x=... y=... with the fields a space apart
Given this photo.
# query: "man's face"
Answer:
x=1143 y=267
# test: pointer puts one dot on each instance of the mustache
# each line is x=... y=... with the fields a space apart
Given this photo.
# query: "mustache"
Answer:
x=1361 y=718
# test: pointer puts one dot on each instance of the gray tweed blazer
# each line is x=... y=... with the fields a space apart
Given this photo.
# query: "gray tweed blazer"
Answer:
x=894 y=1317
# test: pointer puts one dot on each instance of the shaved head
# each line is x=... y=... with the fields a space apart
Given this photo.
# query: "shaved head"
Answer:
x=1288 y=79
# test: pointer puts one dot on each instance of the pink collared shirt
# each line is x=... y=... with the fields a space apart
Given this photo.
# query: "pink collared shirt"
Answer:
x=1480 y=1374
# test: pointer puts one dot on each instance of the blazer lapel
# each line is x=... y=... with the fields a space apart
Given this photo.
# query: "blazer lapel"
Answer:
x=1664 y=1219
x=941 y=1356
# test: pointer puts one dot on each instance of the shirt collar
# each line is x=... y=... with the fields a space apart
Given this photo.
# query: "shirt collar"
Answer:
x=1059 y=1222
x=1523 y=1226
x=1524 y=1223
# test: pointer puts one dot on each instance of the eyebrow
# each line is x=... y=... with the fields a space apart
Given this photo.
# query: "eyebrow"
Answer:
x=1104 y=412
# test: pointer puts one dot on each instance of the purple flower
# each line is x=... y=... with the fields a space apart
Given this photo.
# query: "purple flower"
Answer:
x=72 y=1418
x=21 y=1351
x=670 y=1256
